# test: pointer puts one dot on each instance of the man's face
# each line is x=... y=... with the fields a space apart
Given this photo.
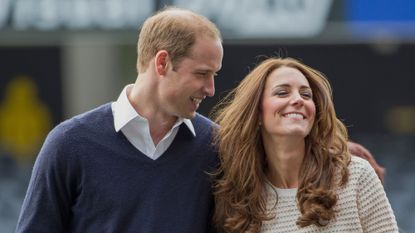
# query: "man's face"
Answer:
x=184 y=87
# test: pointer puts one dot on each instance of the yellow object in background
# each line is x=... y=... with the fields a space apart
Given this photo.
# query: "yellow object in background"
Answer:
x=24 y=119
x=401 y=119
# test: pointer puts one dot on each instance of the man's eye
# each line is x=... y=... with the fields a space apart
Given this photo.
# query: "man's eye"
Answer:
x=201 y=74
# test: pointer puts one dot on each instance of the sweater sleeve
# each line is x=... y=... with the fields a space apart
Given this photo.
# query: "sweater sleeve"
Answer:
x=375 y=211
x=48 y=200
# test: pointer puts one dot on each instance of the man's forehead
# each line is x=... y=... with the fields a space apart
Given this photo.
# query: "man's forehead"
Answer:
x=202 y=62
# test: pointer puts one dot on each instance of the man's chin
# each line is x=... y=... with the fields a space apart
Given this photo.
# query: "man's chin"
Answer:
x=191 y=115
x=188 y=115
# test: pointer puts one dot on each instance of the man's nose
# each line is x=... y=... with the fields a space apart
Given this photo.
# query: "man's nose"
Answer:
x=209 y=87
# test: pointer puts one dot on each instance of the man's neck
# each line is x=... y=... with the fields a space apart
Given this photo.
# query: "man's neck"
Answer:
x=142 y=97
x=159 y=129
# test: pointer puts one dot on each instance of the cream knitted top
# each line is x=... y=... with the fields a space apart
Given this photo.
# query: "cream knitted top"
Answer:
x=362 y=206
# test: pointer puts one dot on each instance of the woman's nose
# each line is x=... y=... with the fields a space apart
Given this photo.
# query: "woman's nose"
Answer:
x=296 y=99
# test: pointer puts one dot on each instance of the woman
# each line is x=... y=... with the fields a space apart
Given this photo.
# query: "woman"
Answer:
x=285 y=166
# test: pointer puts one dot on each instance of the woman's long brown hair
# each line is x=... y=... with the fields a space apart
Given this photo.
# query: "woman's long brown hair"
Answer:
x=240 y=179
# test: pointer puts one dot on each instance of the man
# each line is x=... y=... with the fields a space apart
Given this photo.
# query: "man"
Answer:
x=139 y=164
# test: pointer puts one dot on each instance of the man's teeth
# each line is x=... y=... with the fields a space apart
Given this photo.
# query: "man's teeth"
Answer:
x=196 y=100
x=294 y=115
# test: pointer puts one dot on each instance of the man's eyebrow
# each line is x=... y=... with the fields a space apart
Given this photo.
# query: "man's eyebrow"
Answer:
x=204 y=70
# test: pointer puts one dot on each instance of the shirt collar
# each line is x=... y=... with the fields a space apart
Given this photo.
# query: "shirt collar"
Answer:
x=189 y=125
x=124 y=112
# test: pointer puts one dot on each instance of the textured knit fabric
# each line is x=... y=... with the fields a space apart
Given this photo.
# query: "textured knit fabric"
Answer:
x=88 y=178
x=362 y=206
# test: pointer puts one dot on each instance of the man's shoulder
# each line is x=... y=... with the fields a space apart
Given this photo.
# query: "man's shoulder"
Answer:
x=77 y=135
x=94 y=115
x=203 y=125
x=203 y=121
x=83 y=122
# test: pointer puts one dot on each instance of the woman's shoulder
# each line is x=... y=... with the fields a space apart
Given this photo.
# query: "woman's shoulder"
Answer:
x=360 y=169
x=359 y=172
x=358 y=164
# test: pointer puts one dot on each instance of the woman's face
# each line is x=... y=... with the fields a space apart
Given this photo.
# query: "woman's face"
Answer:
x=287 y=107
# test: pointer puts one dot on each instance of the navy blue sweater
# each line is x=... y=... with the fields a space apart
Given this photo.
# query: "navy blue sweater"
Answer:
x=89 y=178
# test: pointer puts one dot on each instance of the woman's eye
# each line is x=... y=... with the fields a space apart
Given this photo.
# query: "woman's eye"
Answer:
x=307 y=95
x=281 y=93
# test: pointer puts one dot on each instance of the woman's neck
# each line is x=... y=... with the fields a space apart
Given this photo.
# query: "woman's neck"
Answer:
x=284 y=158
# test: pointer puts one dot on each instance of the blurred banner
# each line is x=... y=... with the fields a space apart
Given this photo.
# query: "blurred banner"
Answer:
x=74 y=14
x=264 y=18
x=237 y=18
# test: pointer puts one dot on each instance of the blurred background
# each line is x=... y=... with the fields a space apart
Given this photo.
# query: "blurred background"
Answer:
x=59 y=58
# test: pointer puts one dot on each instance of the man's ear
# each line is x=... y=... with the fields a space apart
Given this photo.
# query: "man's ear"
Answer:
x=161 y=60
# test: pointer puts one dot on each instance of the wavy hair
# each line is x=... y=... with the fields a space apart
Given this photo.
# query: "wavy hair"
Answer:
x=240 y=179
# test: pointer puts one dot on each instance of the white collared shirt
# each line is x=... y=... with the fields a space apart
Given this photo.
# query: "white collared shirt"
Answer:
x=136 y=128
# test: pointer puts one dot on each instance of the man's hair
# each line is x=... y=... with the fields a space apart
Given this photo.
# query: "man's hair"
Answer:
x=174 y=30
